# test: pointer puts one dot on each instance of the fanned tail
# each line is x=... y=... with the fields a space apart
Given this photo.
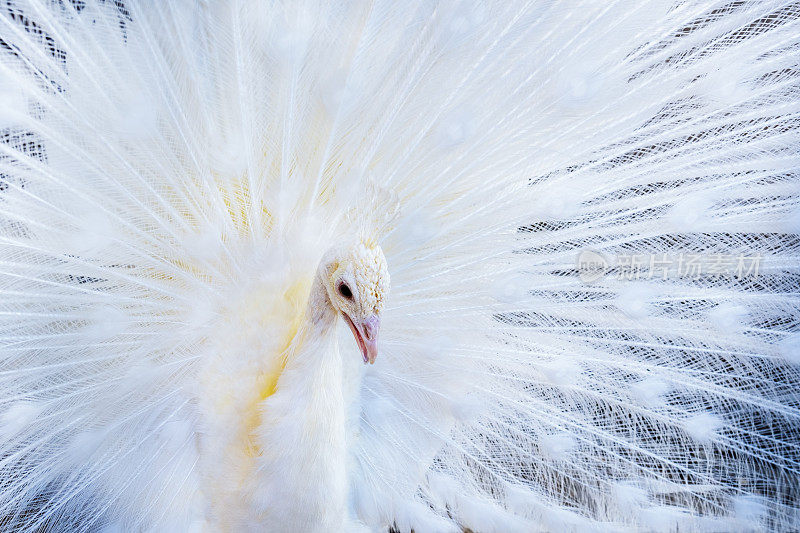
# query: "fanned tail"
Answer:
x=594 y=260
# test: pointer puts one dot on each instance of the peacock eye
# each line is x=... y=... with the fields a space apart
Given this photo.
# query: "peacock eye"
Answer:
x=345 y=291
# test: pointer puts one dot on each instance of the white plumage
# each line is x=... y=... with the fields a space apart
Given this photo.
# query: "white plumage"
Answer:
x=185 y=185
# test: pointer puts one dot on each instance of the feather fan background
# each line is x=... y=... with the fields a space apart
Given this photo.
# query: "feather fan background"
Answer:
x=162 y=160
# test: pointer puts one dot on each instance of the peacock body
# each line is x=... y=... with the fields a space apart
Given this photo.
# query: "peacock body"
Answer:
x=565 y=233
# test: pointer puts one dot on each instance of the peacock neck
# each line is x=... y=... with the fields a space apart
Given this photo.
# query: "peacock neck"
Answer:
x=316 y=337
x=320 y=314
x=302 y=435
x=291 y=429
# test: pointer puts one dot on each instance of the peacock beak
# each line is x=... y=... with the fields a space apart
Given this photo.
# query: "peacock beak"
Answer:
x=366 y=335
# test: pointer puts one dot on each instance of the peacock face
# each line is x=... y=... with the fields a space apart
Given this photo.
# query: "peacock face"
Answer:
x=358 y=288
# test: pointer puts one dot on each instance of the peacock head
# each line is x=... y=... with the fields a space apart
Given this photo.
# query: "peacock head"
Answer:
x=358 y=285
